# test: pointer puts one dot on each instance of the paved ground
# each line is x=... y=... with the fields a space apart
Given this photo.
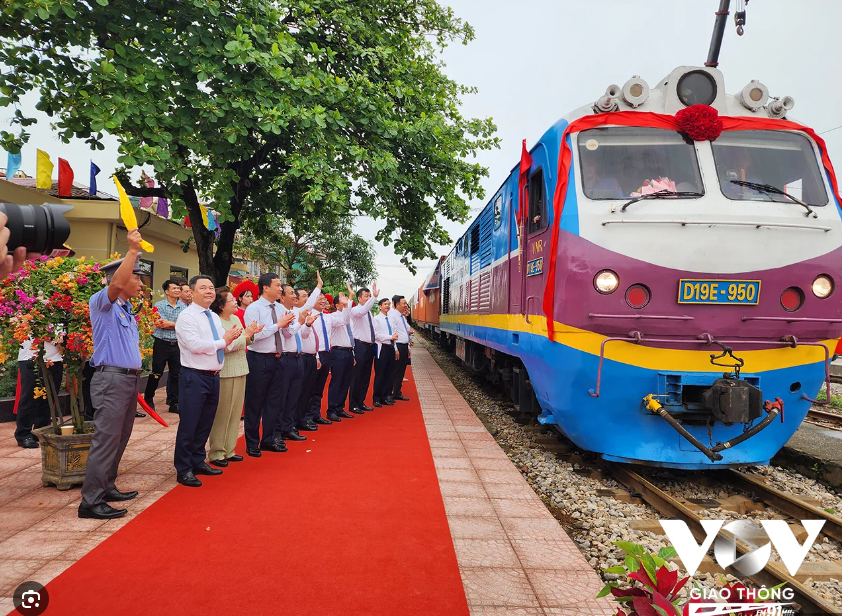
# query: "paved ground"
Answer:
x=814 y=451
x=513 y=556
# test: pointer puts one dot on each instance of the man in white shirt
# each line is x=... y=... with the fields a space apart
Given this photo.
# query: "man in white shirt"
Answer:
x=387 y=354
x=202 y=341
x=362 y=326
x=342 y=361
x=293 y=367
x=34 y=412
x=322 y=326
x=401 y=328
x=304 y=304
x=263 y=383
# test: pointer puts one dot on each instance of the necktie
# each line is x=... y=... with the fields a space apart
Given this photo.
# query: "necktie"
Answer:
x=371 y=327
x=324 y=332
x=389 y=325
x=406 y=329
x=220 y=354
x=350 y=334
x=279 y=347
x=297 y=340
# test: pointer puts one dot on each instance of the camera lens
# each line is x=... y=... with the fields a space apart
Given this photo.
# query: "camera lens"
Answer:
x=39 y=228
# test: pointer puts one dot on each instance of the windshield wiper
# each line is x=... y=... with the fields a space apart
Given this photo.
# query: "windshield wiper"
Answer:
x=774 y=190
x=661 y=194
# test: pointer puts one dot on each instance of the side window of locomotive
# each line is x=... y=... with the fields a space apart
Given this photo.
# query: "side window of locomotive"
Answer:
x=537 y=202
x=498 y=211
x=781 y=159
x=626 y=162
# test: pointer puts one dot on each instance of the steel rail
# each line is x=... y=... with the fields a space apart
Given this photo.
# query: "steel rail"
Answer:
x=785 y=503
x=825 y=416
x=668 y=506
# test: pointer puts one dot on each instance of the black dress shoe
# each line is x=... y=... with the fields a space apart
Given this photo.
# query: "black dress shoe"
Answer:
x=366 y=407
x=236 y=458
x=189 y=480
x=358 y=411
x=254 y=452
x=344 y=415
x=115 y=495
x=308 y=427
x=333 y=418
x=174 y=408
x=204 y=469
x=277 y=448
x=220 y=463
x=389 y=402
x=377 y=404
x=322 y=421
x=103 y=511
x=138 y=414
x=292 y=435
x=29 y=442
x=402 y=397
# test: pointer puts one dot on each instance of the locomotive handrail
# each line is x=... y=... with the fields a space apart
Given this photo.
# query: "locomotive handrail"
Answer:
x=707 y=339
x=735 y=223
x=792 y=319
x=684 y=317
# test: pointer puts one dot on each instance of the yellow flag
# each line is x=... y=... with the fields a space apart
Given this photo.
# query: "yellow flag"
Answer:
x=204 y=215
x=127 y=213
x=44 y=171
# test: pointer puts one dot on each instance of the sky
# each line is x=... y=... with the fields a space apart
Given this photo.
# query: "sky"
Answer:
x=534 y=61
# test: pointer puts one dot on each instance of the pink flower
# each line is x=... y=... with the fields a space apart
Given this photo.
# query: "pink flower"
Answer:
x=653 y=186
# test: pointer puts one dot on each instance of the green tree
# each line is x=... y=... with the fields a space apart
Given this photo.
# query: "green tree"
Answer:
x=329 y=246
x=338 y=106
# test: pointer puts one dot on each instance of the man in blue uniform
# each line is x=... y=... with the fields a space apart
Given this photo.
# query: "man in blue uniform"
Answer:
x=114 y=385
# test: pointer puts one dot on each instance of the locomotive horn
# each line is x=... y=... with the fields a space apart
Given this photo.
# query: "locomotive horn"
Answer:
x=778 y=107
x=608 y=102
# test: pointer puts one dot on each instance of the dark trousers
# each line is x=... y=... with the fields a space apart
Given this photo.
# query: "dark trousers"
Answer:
x=289 y=394
x=308 y=385
x=361 y=377
x=400 y=369
x=384 y=367
x=326 y=359
x=199 y=395
x=34 y=412
x=164 y=354
x=263 y=397
x=340 y=378
x=88 y=373
x=115 y=398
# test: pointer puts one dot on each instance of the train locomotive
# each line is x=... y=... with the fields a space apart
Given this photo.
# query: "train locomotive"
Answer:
x=658 y=276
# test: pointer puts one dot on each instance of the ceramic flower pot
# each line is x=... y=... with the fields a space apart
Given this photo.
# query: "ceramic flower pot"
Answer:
x=63 y=458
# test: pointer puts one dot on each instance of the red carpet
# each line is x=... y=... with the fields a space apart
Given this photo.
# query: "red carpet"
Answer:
x=356 y=526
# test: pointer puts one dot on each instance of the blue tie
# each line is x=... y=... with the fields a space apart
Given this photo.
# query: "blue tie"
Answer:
x=324 y=331
x=220 y=354
x=403 y=318
x=297 y=341
x=389 y=325
x=350 y=334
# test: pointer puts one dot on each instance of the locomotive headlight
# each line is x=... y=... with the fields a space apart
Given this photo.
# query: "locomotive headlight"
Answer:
x=822 y=286
x=606 y=282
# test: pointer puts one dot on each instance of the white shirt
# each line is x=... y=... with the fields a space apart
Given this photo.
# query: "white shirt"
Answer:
x=196 y=340
x=320 y=326
x=27 y=353
x=360 y=325
x=381 y=330
x=260 y=310
x=399 y=326
x=339 y=336
x=292 y=331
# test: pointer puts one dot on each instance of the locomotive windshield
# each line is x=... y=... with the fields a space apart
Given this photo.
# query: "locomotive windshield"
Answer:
x=781 y=159
x=622 y=162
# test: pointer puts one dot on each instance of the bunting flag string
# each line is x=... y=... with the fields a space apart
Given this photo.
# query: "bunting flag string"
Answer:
x=43 y=170
x=65 y=178
x=146 y=202
x=163 y=207
x=92 y=183
x=12 y=164
x=127 y=213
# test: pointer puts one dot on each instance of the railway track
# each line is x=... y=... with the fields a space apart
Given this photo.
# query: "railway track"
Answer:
x=824 y=419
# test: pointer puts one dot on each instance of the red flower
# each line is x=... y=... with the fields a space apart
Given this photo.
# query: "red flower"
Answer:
x=700 y=122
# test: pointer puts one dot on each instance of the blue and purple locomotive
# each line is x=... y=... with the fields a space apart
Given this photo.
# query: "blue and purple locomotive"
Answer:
x=657 y=277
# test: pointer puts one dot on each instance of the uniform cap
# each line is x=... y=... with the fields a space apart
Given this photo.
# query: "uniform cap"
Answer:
x=109 y=268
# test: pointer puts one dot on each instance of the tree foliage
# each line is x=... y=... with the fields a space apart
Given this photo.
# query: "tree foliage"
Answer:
x=300 y=249
x=261 y=107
